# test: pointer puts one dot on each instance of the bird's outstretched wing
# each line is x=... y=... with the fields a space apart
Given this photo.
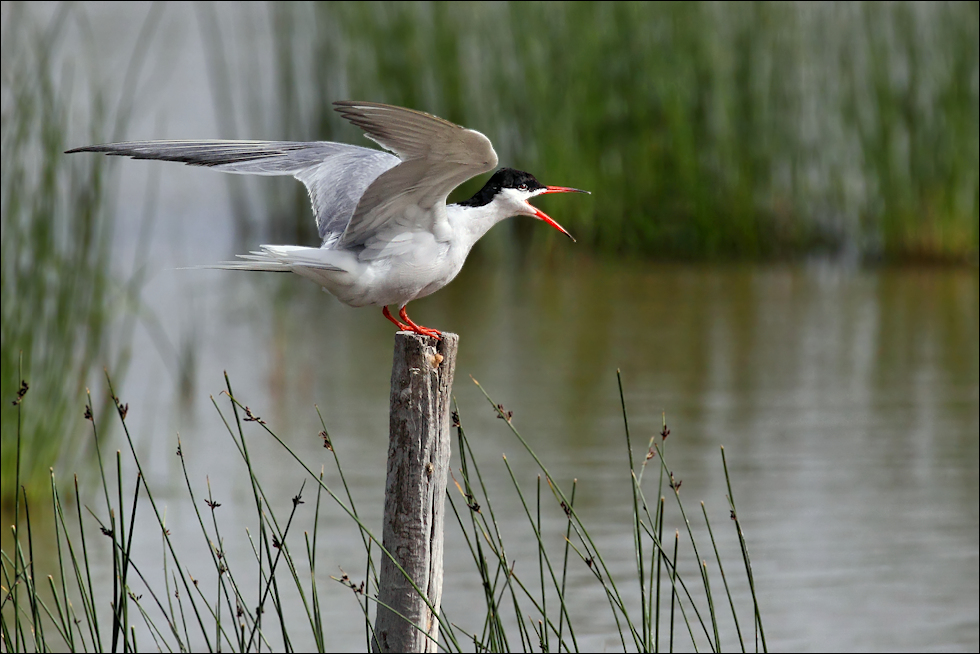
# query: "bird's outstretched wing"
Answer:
x=436 y=157
x=335 y=174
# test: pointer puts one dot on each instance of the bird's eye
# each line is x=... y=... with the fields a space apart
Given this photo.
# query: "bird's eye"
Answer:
x=523 y=187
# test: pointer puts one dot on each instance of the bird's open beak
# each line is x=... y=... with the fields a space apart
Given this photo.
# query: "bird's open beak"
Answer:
x=540 y=215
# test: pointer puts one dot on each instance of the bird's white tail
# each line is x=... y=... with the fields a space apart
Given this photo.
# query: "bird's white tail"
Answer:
x=283 y=258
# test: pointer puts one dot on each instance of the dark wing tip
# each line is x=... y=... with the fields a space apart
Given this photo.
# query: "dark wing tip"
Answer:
x=87 y=148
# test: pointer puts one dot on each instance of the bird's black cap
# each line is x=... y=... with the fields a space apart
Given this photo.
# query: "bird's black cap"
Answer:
x=503 y=178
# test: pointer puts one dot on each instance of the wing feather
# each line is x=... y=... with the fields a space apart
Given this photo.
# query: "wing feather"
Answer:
x=436 y=157
x=356 y=192
x=335 y=174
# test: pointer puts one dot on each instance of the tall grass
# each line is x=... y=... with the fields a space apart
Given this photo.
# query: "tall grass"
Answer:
x=159 y=603
x=705 y=130
x=921 y=144
x=62 y=295
x=56 y=245
x=61 y=292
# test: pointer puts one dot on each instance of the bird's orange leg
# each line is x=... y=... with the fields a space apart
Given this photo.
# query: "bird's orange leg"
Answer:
x=425 y=331
x=401 y=326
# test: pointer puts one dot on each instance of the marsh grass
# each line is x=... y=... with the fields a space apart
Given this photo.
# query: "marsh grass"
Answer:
x=56 y=245
x=60 y=293
x=158 y=603
x=751 y=130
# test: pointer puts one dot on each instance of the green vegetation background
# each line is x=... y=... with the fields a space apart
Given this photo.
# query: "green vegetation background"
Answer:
x=742 y=131
x=749 y=130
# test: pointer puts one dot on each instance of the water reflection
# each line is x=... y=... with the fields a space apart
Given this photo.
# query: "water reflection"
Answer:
x=847 y=399
x=847 y=402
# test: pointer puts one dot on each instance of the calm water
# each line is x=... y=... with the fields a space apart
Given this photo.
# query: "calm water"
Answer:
x=847 y=402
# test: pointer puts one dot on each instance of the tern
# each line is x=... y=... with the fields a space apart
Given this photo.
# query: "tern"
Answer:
x=388 y=236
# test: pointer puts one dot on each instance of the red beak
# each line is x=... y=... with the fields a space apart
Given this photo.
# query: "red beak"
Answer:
x=561 y=189
x=540 y=215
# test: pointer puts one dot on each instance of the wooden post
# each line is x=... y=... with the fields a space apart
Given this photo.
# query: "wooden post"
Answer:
x=418 y=470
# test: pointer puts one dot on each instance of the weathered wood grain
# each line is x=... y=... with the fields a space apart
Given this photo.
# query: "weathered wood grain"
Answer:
x=418 y=471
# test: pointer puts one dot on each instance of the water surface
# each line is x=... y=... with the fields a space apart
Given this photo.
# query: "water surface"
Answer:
x=847 y=401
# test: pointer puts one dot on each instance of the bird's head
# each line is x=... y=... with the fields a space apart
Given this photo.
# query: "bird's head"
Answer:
x=509 y=191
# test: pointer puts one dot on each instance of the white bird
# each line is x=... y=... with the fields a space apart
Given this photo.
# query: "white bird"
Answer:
x=388 y=236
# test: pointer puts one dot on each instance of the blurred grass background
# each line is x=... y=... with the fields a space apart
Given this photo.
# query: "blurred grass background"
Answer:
x=749 y=130
x=63 y=295
x=55 y=248
x=706 y=131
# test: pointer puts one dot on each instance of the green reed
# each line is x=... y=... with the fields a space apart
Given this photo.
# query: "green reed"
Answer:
x=525 y=610
x=56 y=243
x=750 y=130
x=58 y=301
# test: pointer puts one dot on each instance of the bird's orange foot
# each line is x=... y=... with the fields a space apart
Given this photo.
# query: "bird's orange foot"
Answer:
x=425 y=331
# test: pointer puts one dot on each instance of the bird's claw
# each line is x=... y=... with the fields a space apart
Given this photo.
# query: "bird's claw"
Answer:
x=424 y=331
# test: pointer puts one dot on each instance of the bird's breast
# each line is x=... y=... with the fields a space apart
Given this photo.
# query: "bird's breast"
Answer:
x=398 y=268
